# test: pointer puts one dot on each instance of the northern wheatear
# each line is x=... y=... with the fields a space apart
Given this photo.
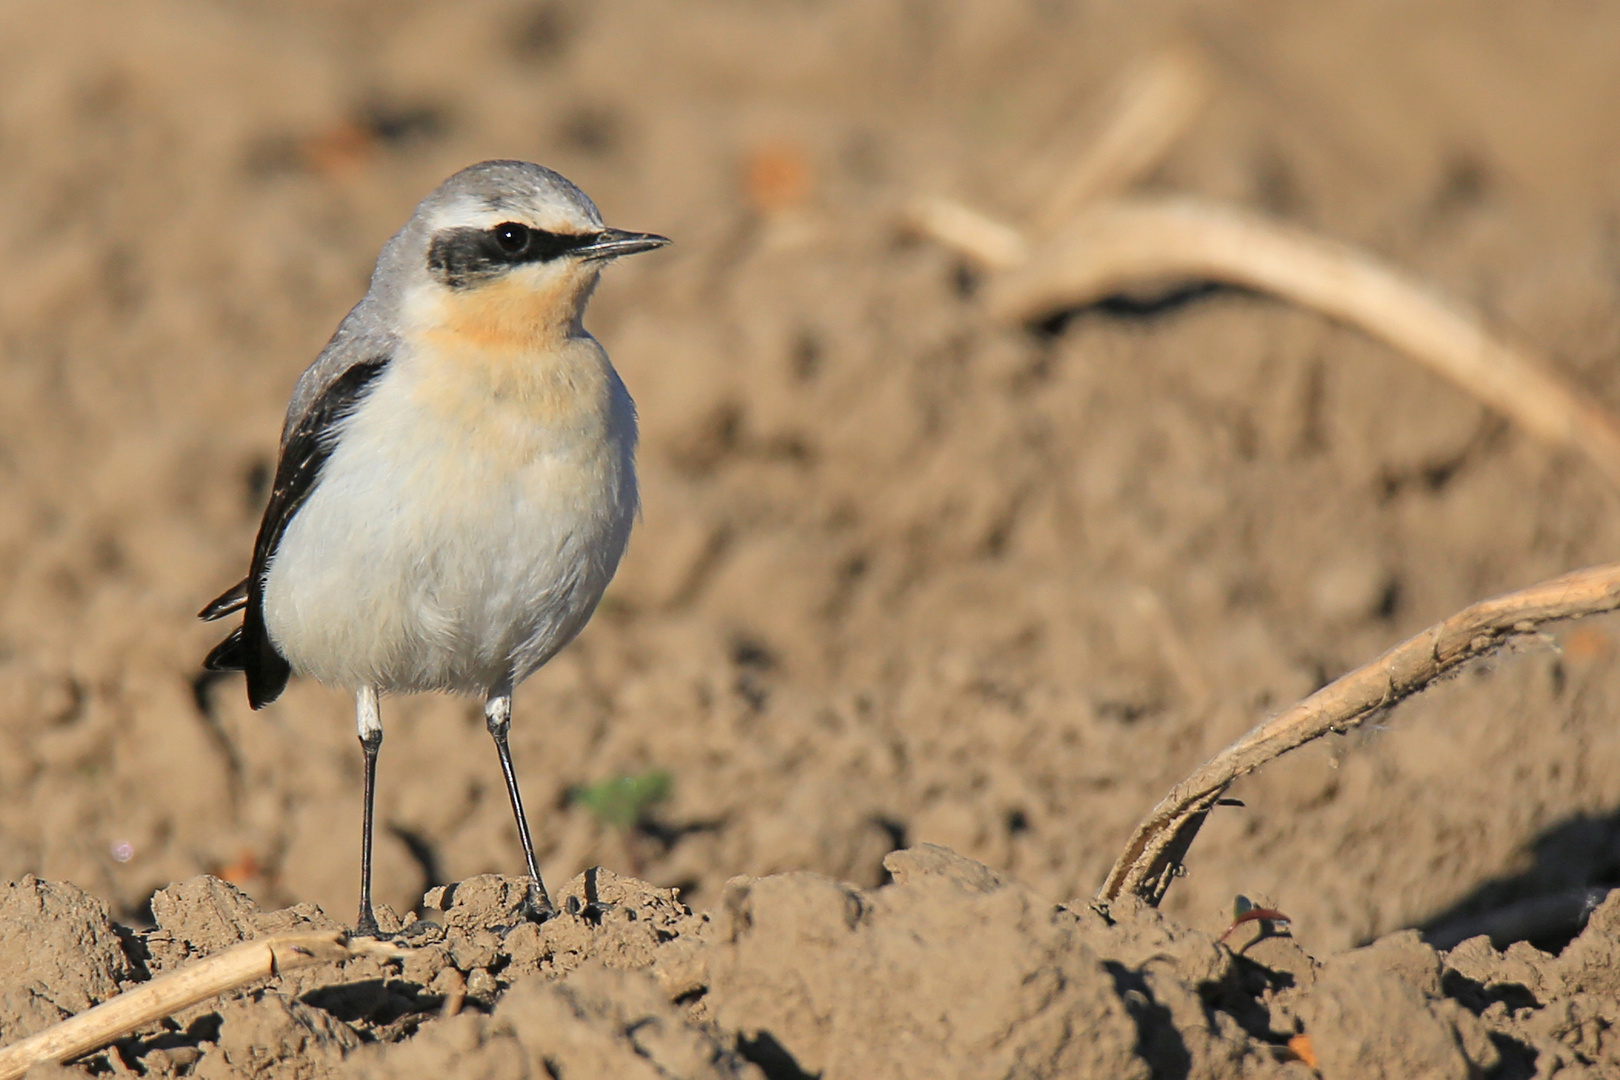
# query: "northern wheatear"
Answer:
x=457 y=475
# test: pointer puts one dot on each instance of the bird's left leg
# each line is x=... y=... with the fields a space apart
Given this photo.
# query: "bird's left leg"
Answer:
x=498 y=718
x=368 y=719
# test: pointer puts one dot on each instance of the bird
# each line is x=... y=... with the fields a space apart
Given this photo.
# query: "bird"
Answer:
x=456 y=481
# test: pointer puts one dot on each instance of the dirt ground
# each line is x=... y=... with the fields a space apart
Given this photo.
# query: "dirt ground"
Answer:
x=904 y=577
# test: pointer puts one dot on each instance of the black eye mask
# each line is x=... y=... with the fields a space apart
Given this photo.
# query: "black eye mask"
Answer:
x=465 y=256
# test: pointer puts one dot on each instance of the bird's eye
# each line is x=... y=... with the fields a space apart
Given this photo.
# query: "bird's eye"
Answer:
x=512 y=237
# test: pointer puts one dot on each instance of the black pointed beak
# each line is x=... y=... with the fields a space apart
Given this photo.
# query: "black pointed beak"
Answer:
x=612 y=243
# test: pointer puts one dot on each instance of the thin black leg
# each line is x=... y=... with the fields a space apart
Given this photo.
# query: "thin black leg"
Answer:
x=498 y=718
x=371 y=735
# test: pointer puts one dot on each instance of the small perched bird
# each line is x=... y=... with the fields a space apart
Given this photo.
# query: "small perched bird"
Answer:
x=457 y=474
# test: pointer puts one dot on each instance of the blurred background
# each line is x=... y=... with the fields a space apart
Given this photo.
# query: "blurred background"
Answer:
x=905 y=574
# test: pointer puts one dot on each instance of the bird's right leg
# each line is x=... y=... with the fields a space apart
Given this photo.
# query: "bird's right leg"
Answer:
x=498 y=718
x=368 y=719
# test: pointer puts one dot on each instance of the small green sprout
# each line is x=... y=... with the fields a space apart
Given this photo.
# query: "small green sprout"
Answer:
x=622 y=801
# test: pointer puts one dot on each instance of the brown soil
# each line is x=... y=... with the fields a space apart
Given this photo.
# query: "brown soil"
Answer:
x=904 y=577
x=952 y=970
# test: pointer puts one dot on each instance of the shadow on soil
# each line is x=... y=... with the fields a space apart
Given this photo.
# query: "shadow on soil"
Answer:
x=1576 y=863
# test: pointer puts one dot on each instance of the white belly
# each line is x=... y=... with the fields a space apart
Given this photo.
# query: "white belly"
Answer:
x=452 y=549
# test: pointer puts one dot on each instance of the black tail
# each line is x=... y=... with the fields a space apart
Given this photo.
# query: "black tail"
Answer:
x=248 y=649
x=267 y=670
x=228 y=654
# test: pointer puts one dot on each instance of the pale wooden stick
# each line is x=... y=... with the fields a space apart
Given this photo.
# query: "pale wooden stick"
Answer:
x=1154 y=854
x=1154 y=106
x=166 y=994
x=975 y=236
x=1129 y=243
x=1183 y=664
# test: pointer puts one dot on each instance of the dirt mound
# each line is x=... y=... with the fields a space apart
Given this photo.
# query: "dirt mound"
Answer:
x=952 y=970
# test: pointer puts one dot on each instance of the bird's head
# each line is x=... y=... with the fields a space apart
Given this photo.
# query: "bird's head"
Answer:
x=509 y=250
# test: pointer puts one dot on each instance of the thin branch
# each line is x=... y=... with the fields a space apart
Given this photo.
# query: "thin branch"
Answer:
x=1129 y=243
x=167 y=994
x=1153 y=108
x=1184 y=667
x=992 y=244
x=1156 y=849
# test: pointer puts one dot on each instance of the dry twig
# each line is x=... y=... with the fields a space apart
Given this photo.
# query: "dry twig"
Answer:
x=991 y=244
x=1094 y=249
x=1153 y=108
x=1156 y=849
x=167 y=994
x=1154 y=105
x=1184 y=667
x=1127 y=243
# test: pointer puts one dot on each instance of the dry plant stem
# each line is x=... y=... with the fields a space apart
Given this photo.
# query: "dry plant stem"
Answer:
x=1151 y=860
x=1184 y=666
x=166 y=994
x=1129 y=243
x=1156 y=104
x=991 y=244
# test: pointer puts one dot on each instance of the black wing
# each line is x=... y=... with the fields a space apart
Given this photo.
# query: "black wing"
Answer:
x=248 y=648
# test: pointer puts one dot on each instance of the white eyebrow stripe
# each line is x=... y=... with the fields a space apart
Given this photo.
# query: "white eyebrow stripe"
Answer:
x=473 y=213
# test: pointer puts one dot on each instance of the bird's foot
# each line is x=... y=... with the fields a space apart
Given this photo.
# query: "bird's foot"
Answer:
x=537 y=906
x=589 y=910
x=366 y=926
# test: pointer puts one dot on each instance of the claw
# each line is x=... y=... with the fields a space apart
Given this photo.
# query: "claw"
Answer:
x=591 y=911
x=537 y=907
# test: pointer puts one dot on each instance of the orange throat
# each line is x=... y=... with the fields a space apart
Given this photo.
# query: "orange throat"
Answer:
x=513 y=344
x=514 y=312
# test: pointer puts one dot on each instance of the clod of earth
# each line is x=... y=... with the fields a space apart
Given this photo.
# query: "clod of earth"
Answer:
x=952 y=970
